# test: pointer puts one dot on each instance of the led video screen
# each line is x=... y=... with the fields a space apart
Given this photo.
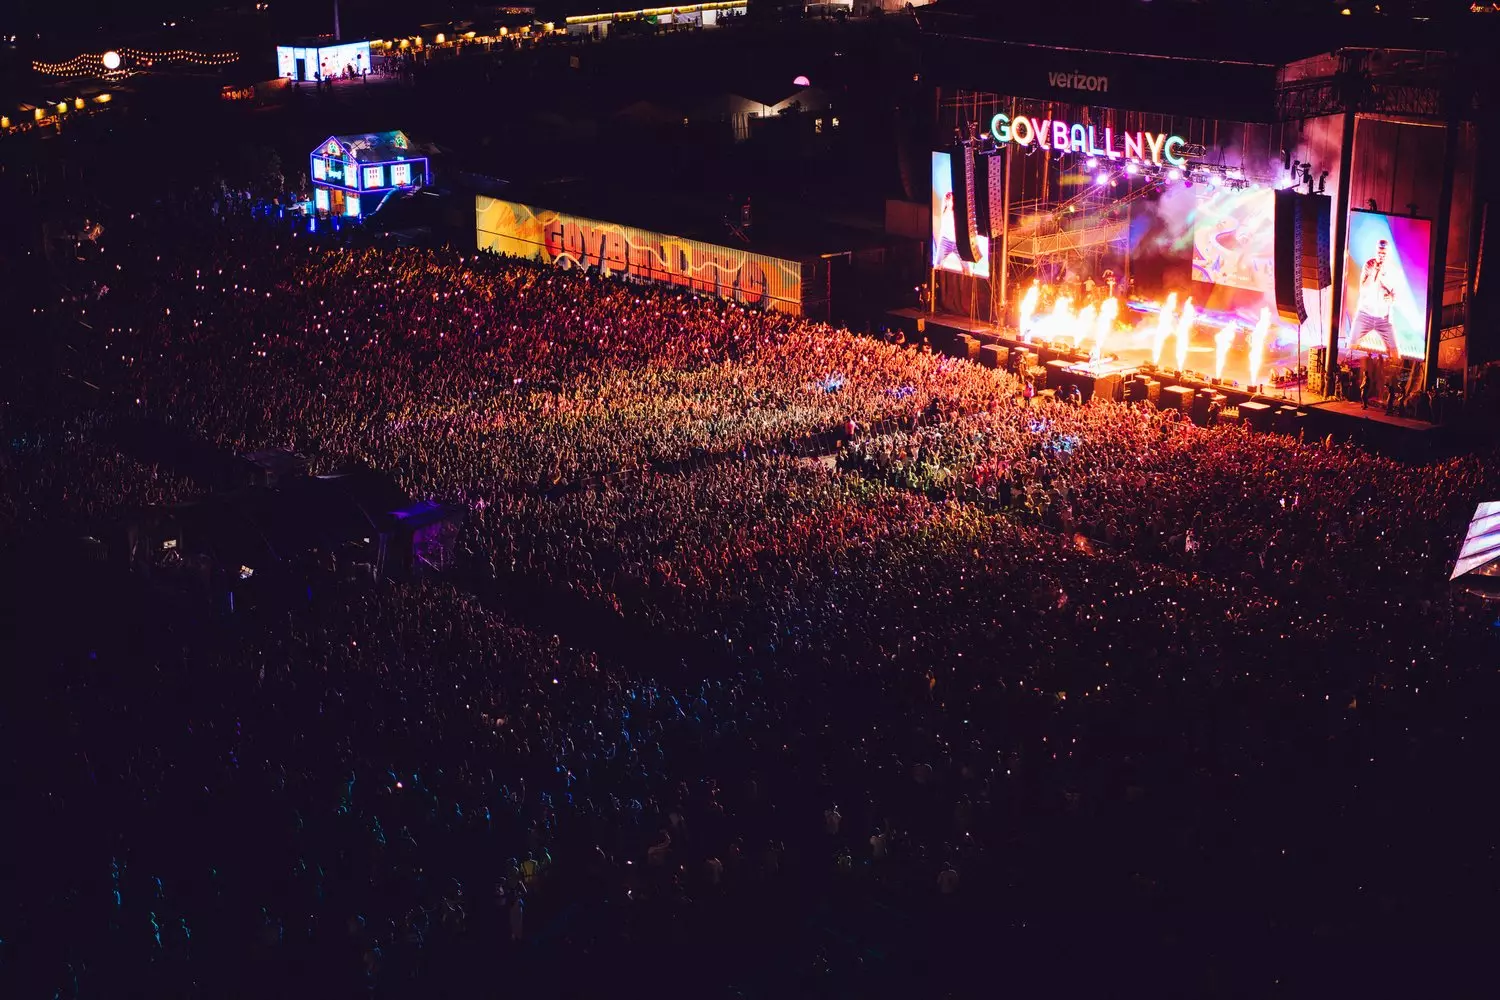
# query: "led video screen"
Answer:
x=1234 y=239
x=1385 y=284
x=945 y=254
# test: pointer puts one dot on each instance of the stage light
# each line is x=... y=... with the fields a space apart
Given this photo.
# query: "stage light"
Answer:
x=111 y=59
x=1092 y=163
x=1132 y=169
x=1322 y=182
x=1101 y=178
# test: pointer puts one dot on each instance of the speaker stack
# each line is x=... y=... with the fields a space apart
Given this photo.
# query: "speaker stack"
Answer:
x=1108 y=387
x=1176 y=397
x=994 y=356
x=965 y=346
x=1202 y=400
x=1317 y=370
x=1256 y=415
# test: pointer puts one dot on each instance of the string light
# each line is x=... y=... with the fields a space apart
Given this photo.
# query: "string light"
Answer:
x=113 y=62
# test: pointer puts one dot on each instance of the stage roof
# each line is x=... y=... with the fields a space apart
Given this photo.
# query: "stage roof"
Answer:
x=1480 y=553
x=1205 y=31
x=1199 y=61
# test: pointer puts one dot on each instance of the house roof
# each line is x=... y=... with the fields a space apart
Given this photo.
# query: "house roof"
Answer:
x=370 y=147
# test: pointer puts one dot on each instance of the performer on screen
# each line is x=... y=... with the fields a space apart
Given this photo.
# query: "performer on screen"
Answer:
x=1377 y=293
x=948 y=255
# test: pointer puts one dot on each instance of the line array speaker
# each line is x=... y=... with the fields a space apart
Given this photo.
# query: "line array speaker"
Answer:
x=1302 y=249
x=1288 y=259
x=989 y=193
x=966 y=232
x=982 y=170
x=1317 y=218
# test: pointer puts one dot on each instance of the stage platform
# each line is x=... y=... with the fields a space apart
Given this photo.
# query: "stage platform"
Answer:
x=1317 y=415
x=1376 y=412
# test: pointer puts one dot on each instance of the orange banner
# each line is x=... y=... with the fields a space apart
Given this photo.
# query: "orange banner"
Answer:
x=571 y=241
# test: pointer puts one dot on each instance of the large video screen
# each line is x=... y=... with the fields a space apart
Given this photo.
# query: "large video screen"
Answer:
x=945 y=254
x=1234 y=239
x=1385 y=285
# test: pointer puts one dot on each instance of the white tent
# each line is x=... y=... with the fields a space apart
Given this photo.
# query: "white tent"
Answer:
x=1479 y=559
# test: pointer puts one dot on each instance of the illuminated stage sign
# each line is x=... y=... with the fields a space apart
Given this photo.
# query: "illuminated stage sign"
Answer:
x=570 y=241
x=1156 y=148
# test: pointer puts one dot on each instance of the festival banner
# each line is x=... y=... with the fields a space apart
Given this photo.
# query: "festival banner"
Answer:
x=569 y=241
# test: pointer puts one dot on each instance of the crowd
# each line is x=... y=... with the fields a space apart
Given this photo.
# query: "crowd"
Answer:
x=776 y=659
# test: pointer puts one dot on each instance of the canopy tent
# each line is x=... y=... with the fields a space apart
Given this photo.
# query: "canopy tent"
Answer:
x=1478 y=566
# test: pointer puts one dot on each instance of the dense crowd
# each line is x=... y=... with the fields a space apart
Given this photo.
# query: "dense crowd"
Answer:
x=775 y=659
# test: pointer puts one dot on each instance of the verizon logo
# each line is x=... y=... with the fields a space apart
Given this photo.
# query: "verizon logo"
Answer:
x=1078 y=81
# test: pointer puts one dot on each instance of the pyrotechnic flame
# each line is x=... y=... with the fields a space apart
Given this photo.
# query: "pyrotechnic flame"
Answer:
x=1222 y=340
x=1163 y=328
x=1028 y=309
x=1060 y=320
x=1083 y=324
x=1258 y=344
x=1185 y=333
x=1108 y=310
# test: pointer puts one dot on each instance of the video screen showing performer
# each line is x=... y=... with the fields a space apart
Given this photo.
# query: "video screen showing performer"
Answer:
x=1377 y=292
x=945 y=255
x=1386 y=272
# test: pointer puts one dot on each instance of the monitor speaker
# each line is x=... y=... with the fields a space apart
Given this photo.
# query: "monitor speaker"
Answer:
x=966 y=230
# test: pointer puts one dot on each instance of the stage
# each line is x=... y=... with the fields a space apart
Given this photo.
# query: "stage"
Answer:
x=1317 y=414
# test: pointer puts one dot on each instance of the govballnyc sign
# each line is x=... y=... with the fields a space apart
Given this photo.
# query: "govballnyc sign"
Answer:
x=1156 y=148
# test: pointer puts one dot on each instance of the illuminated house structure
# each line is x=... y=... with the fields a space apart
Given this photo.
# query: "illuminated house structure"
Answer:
x=353 y=175
x=316 y=62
